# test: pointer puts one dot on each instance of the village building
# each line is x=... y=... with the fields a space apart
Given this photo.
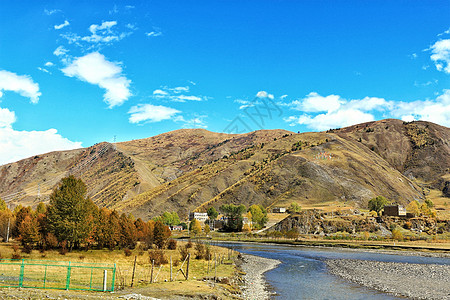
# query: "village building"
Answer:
x=202 y=217
x=279 y=210
x=394 y=211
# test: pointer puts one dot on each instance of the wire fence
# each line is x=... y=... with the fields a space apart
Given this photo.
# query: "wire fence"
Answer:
x=57 y=275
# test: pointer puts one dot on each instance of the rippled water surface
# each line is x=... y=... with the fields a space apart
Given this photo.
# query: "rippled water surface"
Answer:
x=303 y=273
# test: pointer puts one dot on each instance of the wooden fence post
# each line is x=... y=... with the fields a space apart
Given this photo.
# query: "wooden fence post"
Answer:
x=151 y=274
x=134 y=269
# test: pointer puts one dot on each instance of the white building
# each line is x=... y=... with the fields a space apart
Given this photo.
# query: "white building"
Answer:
x=202 y=217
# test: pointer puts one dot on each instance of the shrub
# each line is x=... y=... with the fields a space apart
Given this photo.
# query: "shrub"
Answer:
x=15 y=248
x=63 y=250
x=51 y=241
x=397 y=235
x=200 y=251
x=407 y=225
x=172 y=244
x=158 y=256
x=16 y=255
x=189 y=244
x=127 y=252
x=184 y=251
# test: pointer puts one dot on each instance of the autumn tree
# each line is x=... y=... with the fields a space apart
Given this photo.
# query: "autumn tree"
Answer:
x=195 y=227
x=233 y=214
x=6 y=219
x=413 y=208
x=161 y=234
x=258 y=216
x=20 y=214
x=70 y=212
x=128 y=236
x=29 y=232
x=377 y=204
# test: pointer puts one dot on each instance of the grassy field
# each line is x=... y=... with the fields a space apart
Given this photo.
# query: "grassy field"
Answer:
x=161 y=287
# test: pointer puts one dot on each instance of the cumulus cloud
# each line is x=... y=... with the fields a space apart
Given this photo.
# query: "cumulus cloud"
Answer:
x=441 y=55
x=95 y=69
x=21 y=84
x=16 y=145
x=314 y=102
x=49 y=64
x=151 y=113
x=325 y=112
x=60 y=26
x=333 y=119
x=436 y=110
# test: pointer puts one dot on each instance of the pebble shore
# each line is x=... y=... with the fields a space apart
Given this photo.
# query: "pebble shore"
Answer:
x=255 y=286
x=415 y=281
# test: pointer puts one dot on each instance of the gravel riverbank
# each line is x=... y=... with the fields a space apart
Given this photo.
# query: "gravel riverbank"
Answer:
x=254 y=267
x=416 y=281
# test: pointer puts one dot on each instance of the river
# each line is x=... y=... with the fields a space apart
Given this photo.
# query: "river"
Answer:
x=303 y=273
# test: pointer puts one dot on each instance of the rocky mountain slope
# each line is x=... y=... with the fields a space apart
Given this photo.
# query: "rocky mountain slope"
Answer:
x=190 y=169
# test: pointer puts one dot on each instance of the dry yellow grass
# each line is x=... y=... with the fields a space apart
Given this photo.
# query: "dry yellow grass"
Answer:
x=161 y=285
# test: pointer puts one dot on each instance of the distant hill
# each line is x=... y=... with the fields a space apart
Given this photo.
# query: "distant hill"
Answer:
x=191 y=169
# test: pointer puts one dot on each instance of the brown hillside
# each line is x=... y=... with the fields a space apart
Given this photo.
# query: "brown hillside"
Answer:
x=417 y=149
x=279 y=172
x=191 y=169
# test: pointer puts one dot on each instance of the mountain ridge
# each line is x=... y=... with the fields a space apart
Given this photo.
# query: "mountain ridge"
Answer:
x=190 y=169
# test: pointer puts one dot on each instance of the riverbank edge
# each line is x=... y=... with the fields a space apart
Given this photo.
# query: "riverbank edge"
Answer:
x=395 y=278
x=417 y=250
x=252 y=269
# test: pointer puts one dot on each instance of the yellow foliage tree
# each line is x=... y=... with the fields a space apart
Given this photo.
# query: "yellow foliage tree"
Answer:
x=195 y=227
x=413 y=208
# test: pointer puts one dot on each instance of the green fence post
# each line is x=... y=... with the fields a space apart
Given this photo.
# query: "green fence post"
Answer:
x=68 y=277
x=90 y=283
x=113 y=278
x=21 y=273
x=45 y=275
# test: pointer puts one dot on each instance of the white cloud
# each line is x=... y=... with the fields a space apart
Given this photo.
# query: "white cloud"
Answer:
x=349 y=112
x=314 y=102
x=264 y=94
x=153 y=33
x=16 y=145
x=441 y=55
x=184 y=98
x=60 y=51
x=160 y=92
x=49 y=64
x=58 y=27
x=445 y=32
x=44 y=70
x=95 y=69
x=21 y=84
x=103 y=34
x=7 y=118
x=175 y=94
x=196 y=122
x=333 y=119
x=51 y=11
x=151 y=113
x=436 y=111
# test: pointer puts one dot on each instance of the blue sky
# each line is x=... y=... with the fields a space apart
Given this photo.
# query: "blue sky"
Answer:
x=75 y=73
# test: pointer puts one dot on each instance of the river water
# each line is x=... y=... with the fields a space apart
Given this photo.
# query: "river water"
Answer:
x=303 y=273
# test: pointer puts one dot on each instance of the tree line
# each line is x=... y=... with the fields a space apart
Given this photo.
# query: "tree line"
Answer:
x=72 y=221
